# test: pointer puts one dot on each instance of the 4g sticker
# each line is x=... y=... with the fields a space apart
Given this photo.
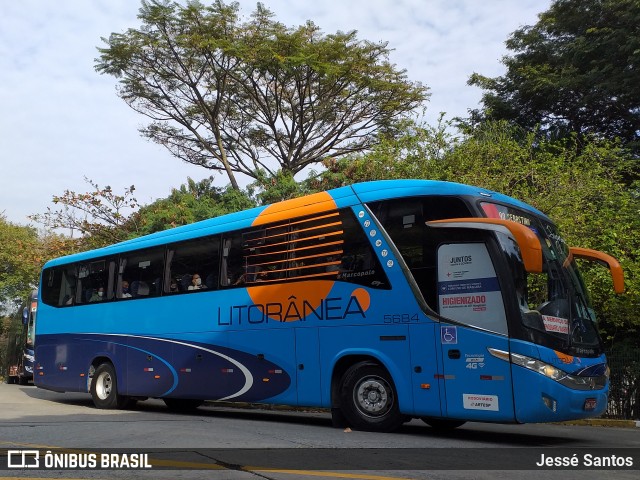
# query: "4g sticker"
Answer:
x=474 y=362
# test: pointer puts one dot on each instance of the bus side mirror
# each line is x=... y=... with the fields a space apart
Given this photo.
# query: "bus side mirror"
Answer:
x=617 y=274
x=25 y=315
x=527 y=241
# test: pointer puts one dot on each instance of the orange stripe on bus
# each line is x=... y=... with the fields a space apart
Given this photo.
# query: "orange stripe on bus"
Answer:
x=296 y=241
x=316 y=203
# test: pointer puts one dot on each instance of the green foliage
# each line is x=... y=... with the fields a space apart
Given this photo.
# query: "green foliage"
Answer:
x=20 y=261
x=243 y=96
x=417 y=152
x=580 y=185
x=276 y=188
x=190 y=203
x=575 y=71
x=98 y=215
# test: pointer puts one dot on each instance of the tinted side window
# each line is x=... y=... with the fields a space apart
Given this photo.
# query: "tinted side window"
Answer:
x=193 y=266
x=329 y=246
x=94 y=283
x=233 y=267
x=359 y=263
x=404 y=220
x=59 y=285
x=316 y=246
x=143 y=271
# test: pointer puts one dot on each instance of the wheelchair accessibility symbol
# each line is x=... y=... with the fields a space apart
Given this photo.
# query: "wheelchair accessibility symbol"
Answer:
x=449 y=335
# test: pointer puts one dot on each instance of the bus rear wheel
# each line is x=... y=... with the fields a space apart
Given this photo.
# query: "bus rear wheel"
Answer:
x=368 y=398
x=104 y=389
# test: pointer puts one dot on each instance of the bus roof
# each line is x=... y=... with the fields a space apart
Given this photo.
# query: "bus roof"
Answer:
x=365 y=192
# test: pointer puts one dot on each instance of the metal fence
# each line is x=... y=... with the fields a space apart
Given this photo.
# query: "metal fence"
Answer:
x=624 y=387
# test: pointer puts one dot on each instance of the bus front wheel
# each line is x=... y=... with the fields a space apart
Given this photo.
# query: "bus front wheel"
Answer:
x=104 y=388
x=368 y=398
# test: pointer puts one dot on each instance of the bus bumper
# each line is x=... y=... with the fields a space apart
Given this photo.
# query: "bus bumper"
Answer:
x=541 y=399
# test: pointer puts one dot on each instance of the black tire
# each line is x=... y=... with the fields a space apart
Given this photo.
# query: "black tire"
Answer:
x=443 y=424
x=104 y=389
x=23 y=380
x=11 y=380
x=182 y=404
x=368 y=399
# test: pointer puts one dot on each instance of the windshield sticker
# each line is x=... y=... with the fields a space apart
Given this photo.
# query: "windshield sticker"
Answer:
x=468 y=288
x=473 y=401
x=492 y=210
x=555 y=324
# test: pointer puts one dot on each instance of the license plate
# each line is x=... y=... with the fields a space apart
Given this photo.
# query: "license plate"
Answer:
x=590 y=404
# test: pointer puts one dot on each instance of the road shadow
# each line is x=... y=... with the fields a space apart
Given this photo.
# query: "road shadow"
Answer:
x=477 y=433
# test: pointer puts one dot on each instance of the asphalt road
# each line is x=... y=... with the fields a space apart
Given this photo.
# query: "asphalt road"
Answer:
x=256 y=444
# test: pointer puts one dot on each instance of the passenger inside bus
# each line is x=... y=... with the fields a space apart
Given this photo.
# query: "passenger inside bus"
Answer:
x=98 y=295
x=196 y=282
x=126 y=293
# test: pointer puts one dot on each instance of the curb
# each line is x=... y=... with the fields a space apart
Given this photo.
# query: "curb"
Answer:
x=604 y=422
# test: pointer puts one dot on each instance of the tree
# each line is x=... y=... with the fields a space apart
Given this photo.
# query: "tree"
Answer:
x=241 y=97
x=20 y=260
x=99 y=215
x=573 y=71
x=419 y=151
x=192 y=202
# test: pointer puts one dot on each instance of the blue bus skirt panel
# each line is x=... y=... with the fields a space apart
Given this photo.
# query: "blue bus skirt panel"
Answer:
x=159 y=367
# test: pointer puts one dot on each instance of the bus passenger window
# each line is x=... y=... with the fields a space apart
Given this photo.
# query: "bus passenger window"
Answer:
x=265 y=253
x=232 y=268
x=193 y=265
x=143 y=271
x=59 y=286
x=316 y=246
x=93 y=282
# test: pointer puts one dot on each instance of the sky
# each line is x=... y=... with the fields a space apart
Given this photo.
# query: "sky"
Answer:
x=62 y=122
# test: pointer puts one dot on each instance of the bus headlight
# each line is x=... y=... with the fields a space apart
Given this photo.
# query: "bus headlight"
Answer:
x=575 y=382
x=538 y=366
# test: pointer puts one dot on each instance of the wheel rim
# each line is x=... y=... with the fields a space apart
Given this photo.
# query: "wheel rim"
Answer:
x=373 y=396
x=104 y=384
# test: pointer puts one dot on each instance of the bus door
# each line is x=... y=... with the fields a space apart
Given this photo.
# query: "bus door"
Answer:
x=477 y=385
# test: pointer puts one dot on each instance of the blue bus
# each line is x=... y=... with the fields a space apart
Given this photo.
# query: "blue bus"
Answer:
x=382 y=301
x=21 y=345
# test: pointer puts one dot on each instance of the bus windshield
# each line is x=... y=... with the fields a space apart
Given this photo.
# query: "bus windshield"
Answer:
x=555 y=308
